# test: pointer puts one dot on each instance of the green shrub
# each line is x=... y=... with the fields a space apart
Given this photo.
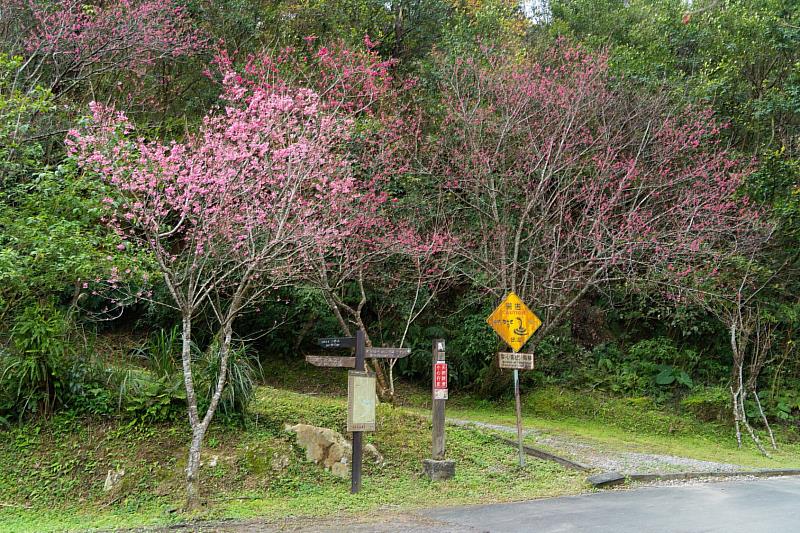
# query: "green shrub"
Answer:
x=162 y=352
x=470 y=351
x=147 y=397
x=709 y=404
x=651 y=367
x=785 y=406
x=33 y=370
x=241 y=376
x=157 y=392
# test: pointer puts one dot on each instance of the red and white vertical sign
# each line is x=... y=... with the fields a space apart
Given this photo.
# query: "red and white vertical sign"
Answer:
x=440 y=381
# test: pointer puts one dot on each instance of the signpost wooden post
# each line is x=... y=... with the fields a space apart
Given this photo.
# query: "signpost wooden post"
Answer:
x=437 y=467
x=360 y=389
x=515 y=324
x=439 y=397
x=355 y=473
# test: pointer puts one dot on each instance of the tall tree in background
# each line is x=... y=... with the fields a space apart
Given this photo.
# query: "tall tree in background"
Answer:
x=740 y=59
x=226 y=213
x=562 y=183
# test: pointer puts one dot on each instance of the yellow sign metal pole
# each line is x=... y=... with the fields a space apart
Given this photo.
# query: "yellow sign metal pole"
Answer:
x=519 y=418
x=515 y=324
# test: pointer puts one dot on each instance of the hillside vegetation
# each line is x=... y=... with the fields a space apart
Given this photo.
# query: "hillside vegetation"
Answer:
x=193 y=192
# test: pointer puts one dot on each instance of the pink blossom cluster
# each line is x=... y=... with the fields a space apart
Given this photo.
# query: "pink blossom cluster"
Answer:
x=571 y=180
x=275 y=181
x=120 y=34
x=264 y=175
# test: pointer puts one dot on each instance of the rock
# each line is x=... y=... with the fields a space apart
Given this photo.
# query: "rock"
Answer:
x=340 y=470
x=112 y=479
x=214 y=460
x=325 y=446
x=340 y=451
x=606 y=479
x=439 y=470
x=373 y=452
x=329 y=448
x=279 y=462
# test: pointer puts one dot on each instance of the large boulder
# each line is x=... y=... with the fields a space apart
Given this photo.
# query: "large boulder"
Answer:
x=324 y=447
x=329 y=448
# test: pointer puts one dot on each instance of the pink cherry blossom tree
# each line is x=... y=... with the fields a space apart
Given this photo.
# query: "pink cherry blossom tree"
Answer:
x=562 y=182
x=381 y=240
x=69 y=44
x=386 y=244
x=227 y=212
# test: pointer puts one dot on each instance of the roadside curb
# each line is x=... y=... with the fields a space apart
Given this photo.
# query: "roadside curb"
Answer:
x=547 y=456
x=609 y=479
x=697 y=475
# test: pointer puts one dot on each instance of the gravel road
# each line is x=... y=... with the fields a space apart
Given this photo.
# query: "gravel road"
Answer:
x=600 y=456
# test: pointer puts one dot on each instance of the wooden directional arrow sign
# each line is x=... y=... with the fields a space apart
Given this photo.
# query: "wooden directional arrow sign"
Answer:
x=387 y=353
x=350 y=362
x=338 y=342
x=331 y=361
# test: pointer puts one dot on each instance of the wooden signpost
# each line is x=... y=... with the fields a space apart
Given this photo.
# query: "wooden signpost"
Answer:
x=437 y=467
x=387 y=353
x=439 y=397
x=358 y=446
x=515 y=324
x=338 y=342
x=331 y=361
x=360 y=389
x=350 y=362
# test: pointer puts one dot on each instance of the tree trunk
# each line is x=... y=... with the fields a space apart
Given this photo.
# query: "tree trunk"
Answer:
x=380 y=378
x=193 y=469
x=739 y=394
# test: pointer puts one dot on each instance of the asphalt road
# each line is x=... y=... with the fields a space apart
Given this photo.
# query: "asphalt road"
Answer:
x=752 y=506
x=745 y=506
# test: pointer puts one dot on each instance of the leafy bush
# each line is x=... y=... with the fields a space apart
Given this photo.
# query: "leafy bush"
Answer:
x=33 y=368
x=709 y=404
x=48 y=365
x=786 y=405
x=652 y=367
x=157 y=392
x=612 y=372
x=471 y=350
x=147 y=397
x=161 y=353
x=561 y=360
x=239 y=389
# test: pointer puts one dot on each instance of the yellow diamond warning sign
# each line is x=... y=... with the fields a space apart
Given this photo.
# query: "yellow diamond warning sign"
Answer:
x=513 y=321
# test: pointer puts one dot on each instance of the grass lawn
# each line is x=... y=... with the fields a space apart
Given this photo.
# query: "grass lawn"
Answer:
x=630 y=425
x=52 y=473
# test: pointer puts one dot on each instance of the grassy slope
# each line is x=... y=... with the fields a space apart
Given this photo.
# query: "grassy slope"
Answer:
x=59 y=473
x=633 y=424
x=57 y=469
